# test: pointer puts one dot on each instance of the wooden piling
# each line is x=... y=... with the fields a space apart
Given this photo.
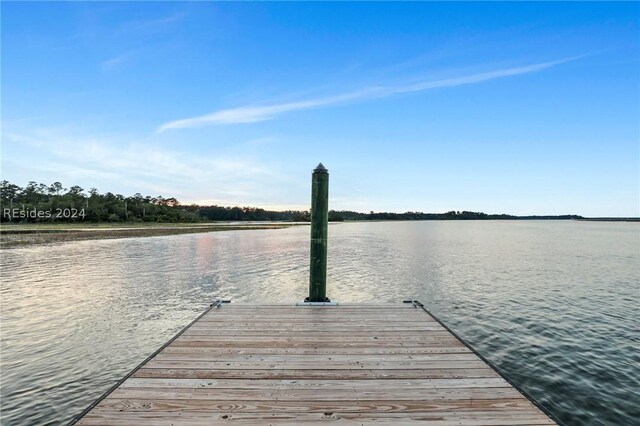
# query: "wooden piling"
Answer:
x=319 y=234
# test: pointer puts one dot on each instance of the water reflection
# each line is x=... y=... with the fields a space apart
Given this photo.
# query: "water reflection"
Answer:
x=553 y=303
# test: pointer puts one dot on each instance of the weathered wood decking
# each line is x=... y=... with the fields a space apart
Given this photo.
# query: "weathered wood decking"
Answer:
x=386 y=364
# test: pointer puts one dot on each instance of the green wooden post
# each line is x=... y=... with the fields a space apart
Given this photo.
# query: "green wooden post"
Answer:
x=319 y=231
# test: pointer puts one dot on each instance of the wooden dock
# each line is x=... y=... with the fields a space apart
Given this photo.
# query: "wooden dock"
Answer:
x=277 y=364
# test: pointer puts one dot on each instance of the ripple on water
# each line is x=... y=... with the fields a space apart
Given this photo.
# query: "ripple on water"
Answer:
x=552 y=304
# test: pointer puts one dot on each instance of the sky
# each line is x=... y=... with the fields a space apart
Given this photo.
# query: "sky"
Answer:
x=518 y=108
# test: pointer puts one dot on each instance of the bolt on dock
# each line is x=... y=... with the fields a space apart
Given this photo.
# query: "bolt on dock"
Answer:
x=279 y=364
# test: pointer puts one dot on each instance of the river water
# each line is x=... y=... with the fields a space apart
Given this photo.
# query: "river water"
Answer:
x=553 y=304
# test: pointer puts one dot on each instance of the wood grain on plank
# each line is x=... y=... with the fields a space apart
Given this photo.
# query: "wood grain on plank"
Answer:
x=281 y=364
x=320 y=374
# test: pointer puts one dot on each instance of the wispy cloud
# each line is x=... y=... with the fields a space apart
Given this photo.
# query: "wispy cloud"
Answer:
x=113 y=63
x=154 y=24
x=252 y=114
x=260 y=113
x=137 y=166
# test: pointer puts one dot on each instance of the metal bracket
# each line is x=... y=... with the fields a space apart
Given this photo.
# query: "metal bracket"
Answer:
x=218 y=303
x=415 y=303
x=303 y=303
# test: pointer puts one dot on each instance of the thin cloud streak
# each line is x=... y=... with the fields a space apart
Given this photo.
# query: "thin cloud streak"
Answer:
x=152 y=24
x=113 y=63
x=252 y=114
x=261 y=113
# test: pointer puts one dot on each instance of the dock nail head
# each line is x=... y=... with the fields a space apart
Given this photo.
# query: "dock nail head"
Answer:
x=320 y=169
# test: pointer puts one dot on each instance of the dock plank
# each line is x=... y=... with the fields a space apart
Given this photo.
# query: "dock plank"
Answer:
x=284 y=364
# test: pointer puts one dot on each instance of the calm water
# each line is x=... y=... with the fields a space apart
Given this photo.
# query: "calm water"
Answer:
x=553 y=304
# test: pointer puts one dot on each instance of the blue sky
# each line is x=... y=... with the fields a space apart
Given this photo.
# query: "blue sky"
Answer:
x=529 y=108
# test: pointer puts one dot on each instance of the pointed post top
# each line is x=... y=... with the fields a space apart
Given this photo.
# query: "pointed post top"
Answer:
x=320 y=169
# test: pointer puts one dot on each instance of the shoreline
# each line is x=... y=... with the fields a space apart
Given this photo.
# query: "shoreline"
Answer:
x=21 y=235
x=15 y=236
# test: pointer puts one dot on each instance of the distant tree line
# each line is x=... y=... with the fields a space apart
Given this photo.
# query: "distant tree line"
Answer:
x=38 y=202
x=213 y=213
x=451 y=215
